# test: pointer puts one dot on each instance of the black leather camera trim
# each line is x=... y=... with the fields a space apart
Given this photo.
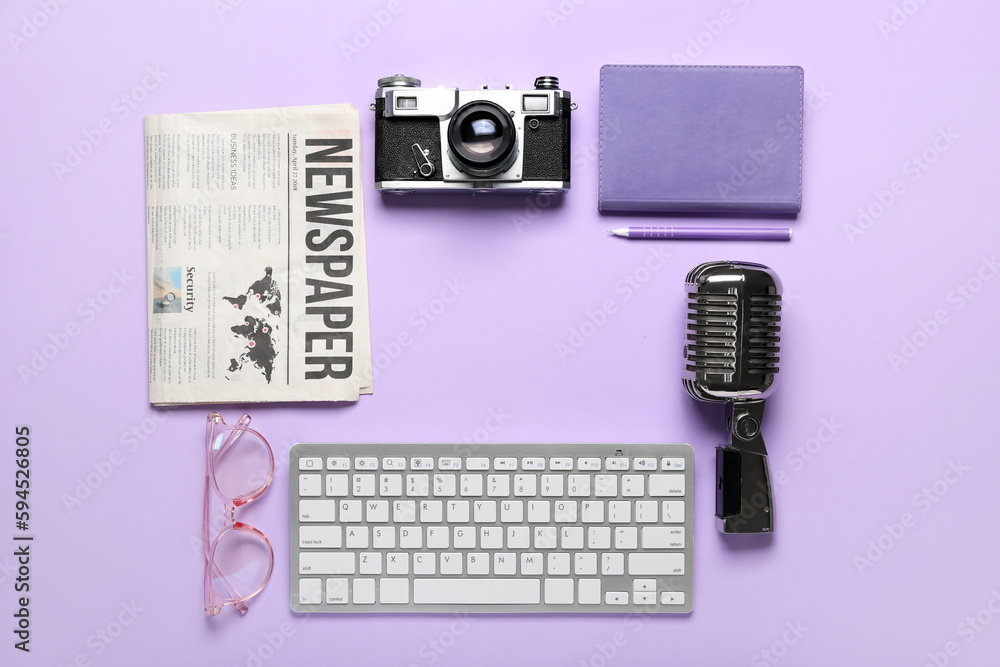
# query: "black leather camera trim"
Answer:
x=394 y=138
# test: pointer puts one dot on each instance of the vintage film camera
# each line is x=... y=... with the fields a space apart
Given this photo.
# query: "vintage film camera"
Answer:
x=450 y=140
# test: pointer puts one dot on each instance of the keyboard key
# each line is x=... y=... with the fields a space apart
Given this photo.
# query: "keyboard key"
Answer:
x=356 y=537
x=464 y=537
x=560 y=463
x=518 y=537
x=585 y=563
x=451 y=563
x=616 y=463
x=619 y=511
x=559 y=591
x=370 y=562
x=646 y=511
x=477 y=563
x=552 y=485
x=531 y=563
x=545 y=537
x=393 y=591
x=316 y=562
x=524 y=485
x=319 y=537
x=431 y=511
x=383 y=537
x=633 y=486
x=588 y=464
x=498 y=485
x=418 y=485
x=668 y=463
x=571 y=537
x=628 y=538
x=366 y=463
x=310 y=485
x=317 y=510
x=589 y=591
x=565 y=511
x=605 y=485
x=599 y=537
x=644 y=598
x=438 y=537
x=449 y=463
x=491 y=538
x=377 y=511
x=592 y=511
x=310 y=591
x=397 y=563
x=337 y=485
x=485 y=511
x=444 y=485
x=404 y=511
x=539 y=511
x=424 y=563
x=458 y=511
x=644 y=585
x=411 y=537
x=656 y=563
x=363 y=485
x=504 y=463
x=673 y=511
x=512 y=511
x=666 y=485
x=421 y=463
x=336 y=590
x=644 y=464
x=477 y=591
x=311 y=463
x=350 y=510
x=363 y=591
x=558 y=564
x=471 y=485
x=478 y=463
x=655 y=537
x=616 y=598
x=532 y=463
x=390 y=485
x=393 y=463
x=504 y=564
x=579 y=485
x=671 y=598
x=338 y=463
x=613 y=563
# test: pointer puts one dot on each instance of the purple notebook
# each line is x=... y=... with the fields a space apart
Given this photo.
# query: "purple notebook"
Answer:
x=701 y=139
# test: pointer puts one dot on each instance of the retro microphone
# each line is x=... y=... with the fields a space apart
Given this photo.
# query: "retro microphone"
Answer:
x=734 y=311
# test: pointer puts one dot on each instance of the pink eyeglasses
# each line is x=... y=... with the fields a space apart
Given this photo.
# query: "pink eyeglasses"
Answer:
x=239 y=559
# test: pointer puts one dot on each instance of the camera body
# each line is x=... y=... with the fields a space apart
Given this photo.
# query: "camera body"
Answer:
x=486 y=140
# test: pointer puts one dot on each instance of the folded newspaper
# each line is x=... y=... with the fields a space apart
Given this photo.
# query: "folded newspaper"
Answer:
x=258 y=284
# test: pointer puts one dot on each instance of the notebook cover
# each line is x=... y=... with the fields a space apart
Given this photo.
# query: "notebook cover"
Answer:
x=701 y=139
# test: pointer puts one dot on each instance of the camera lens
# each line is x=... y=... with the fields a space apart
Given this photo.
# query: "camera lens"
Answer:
x=482 y=139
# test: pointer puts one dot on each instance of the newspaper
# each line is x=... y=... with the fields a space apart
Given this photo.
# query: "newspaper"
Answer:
x=257 y=285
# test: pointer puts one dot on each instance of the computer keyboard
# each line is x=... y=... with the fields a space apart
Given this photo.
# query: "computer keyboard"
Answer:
x=504 y=528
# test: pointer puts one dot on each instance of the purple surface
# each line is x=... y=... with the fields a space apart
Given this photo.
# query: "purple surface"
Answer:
x=557 y=333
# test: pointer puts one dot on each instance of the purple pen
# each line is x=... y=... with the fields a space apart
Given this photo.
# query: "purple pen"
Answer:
x=730 y=233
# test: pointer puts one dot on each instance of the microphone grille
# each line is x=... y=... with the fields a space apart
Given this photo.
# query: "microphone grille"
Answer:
x=712 y=333
x=733 y=327
x=762 y=334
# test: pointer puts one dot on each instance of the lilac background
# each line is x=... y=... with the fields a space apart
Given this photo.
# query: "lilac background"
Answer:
x=527 y=280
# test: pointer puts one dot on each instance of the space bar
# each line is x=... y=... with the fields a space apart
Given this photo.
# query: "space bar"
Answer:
x=476 y=591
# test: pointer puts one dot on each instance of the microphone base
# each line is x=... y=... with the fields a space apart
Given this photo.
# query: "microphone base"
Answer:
x=743 y=491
